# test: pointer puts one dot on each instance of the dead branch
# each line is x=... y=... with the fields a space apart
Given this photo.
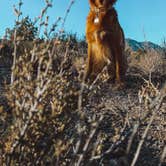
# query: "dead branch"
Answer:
x=85 y=148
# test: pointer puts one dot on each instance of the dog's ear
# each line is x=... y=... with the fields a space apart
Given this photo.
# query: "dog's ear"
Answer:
x=113 y=2
x=92 y=3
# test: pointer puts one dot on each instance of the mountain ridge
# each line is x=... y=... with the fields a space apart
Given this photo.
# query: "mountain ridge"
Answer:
x=135 y=45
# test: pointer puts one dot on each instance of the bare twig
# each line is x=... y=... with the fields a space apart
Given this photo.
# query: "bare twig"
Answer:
x=131 y=138
x=66 y=14
x=98 y=76
x=163 y=155
x=18 y=14
x=85 y=148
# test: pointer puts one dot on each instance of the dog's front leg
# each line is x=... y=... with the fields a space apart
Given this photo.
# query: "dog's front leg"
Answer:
x=89 y=66
x=119 y=70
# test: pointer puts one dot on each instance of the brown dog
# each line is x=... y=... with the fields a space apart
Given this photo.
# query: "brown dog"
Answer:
x=105 y=40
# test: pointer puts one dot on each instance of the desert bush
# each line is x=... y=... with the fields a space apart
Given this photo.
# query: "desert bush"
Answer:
x=38 y=102
x=25 y=28
x=149 y=62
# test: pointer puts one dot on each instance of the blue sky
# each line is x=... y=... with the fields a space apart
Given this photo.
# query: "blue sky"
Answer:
x=140 y=19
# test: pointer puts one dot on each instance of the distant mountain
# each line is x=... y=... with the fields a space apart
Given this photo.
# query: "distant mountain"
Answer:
x=135 y=45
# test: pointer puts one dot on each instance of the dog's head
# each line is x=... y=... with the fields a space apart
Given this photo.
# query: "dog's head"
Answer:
x=101 y=3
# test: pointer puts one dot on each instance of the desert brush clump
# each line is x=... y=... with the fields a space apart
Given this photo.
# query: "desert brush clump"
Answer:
x=50 y=116
x=148 y=61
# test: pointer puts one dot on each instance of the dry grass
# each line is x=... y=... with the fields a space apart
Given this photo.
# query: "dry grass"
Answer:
x=50 y=117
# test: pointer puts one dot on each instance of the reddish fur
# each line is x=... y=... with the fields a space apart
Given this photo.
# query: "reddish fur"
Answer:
x=105 y=41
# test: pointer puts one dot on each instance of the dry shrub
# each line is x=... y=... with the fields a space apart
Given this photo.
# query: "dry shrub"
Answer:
x=151 y=61
x=38 y=97
x=148 y=61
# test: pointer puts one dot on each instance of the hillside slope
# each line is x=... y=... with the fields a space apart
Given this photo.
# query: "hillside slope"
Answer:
x=135 y=45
